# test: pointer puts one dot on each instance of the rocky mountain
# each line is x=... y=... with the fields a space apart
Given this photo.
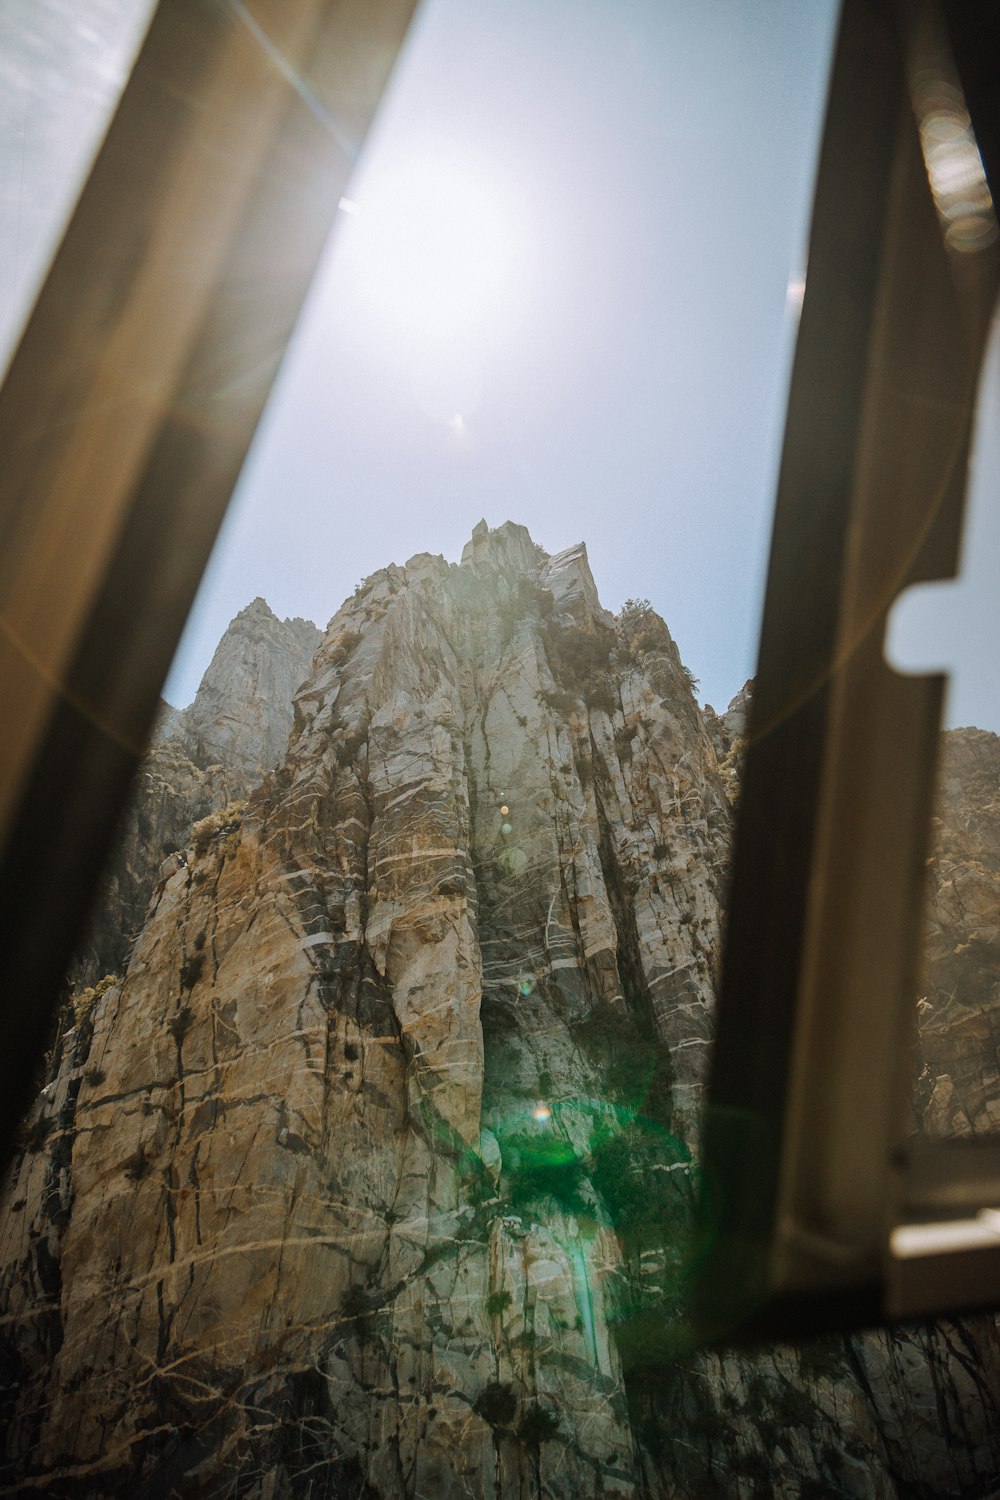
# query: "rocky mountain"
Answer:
x=959 y=1091
x=242 y=711
x=203 y=758
x=373 y=1176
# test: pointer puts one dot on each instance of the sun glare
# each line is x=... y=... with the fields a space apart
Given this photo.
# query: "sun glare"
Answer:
x=436 y=252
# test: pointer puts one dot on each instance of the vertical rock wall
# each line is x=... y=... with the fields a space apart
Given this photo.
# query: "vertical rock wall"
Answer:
x=959 y=1091
x=373 y=1176
x=203 y=758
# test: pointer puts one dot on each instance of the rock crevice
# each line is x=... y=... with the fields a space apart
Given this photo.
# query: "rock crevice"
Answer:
x=375 y=1174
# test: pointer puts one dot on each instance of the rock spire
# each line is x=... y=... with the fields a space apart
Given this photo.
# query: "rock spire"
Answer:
x=374 y=1174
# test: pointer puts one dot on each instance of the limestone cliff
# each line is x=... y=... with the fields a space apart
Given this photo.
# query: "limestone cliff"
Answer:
x=373 y=1176
x=203 y=757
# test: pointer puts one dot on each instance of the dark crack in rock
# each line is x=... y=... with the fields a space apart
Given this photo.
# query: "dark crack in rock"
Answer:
x=374 y=1175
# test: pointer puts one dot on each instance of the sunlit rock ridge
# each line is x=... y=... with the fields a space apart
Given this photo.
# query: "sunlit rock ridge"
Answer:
x=372 y=1176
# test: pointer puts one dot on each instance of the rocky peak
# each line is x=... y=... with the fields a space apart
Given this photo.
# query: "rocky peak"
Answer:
x=202 y=758
x=737 y=715
x=567 y=575
x=505 y=553
x=242 y=710
x=508 y=548
x=374 y=1174
x=257 y=609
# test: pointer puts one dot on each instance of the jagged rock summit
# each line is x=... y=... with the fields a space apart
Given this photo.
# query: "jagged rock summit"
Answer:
x=203 y=758
x=374 y=1174
x=242 y=711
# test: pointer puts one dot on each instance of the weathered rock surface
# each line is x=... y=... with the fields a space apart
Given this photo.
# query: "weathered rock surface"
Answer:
x=202 y=758
x=372 y=1177
x=242 y=711
x=959 y=1092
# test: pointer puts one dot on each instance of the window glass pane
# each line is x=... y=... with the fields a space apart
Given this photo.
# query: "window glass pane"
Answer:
x=952 y=626
x=63 y=66
x=563 y=292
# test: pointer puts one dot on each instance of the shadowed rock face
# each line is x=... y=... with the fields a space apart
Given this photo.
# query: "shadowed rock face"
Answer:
x=959 y=1092
x=203 y=758
x=373 y=1176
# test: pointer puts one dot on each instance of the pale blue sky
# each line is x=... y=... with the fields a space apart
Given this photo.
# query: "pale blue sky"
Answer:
x=629 y=183
x=658 y=158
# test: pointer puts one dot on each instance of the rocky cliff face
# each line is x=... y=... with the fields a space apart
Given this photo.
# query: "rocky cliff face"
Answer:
x=242 y=711
x=373 y=1176
x=959 y=1092
x=203 y=758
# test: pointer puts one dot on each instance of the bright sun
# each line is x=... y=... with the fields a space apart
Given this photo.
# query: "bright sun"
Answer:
x=436 y=249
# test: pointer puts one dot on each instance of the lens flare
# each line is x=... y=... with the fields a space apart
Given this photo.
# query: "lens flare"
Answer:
x=954 y=165
x=442 y=245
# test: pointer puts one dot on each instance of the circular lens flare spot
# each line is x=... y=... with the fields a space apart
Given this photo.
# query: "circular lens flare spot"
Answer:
x=525 y=984
x=542 y=1114
x=504 y=810
x=506 y=828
